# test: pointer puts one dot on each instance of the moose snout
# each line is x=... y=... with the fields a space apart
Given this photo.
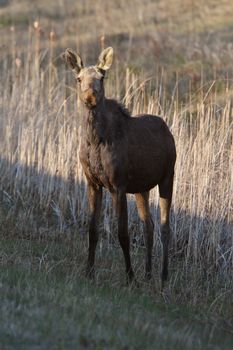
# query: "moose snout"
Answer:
x=89 y=98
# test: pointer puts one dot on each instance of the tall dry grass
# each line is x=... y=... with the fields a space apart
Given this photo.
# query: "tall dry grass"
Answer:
x=43 y=189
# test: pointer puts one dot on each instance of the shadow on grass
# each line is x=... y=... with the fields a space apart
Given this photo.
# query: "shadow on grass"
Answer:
x=41 y=205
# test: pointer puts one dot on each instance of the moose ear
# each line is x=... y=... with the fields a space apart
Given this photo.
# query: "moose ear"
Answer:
x=105 y=59
x=73 y=60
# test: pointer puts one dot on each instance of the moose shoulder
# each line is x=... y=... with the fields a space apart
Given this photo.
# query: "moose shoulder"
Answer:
x=124 y=154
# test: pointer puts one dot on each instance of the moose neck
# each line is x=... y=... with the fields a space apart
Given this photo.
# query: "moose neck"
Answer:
x=96 y=123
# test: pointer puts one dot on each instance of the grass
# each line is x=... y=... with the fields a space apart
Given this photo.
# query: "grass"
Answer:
x=46 y=303
x=171 y=62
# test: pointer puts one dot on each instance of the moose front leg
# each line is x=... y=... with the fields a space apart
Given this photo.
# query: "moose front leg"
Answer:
x=95 y=200
x=122 y=217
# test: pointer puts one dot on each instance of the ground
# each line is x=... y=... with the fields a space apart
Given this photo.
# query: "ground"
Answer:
x=46 y=303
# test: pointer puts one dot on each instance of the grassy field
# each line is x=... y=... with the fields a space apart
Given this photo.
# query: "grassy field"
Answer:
x=171 y=60
x=46 y=303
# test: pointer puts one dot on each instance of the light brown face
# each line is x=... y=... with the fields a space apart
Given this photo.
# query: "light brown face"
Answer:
x=91 y=87
x=90 y=79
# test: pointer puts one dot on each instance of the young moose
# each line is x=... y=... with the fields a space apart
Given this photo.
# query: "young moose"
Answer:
x=124 y=154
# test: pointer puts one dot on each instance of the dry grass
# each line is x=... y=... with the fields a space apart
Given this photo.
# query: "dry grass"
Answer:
x=43 y=190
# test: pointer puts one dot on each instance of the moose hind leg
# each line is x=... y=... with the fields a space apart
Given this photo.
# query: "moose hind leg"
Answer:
x=94 y=199
x=142 y=200
x=165 y=193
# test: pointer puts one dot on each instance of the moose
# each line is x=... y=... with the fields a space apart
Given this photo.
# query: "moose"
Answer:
x=124 y=154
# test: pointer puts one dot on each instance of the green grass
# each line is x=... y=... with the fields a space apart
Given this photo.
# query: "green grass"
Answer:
x=46 y=303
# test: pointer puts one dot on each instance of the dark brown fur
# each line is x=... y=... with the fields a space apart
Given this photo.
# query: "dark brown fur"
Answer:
x=125 y=155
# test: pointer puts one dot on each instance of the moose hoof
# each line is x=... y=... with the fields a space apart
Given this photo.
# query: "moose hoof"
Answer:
x=148 y=275
x=130 y=278
x=164 y=277
x=90 y=272
x=132 y=283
